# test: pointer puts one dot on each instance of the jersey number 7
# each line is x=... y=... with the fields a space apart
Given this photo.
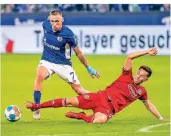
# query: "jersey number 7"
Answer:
x=72 y=74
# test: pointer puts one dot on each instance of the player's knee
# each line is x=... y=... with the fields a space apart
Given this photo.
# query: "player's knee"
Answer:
x=42 y=73
x=72 y=101
x=77 y=88
x=100 y=118
x=78 y=91
x=39 y=78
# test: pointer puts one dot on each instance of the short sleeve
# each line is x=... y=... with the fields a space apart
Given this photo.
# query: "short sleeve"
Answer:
x=73 y=41
x=144 y=97
x=126 y=76
x=127 y=72
x=43 y=25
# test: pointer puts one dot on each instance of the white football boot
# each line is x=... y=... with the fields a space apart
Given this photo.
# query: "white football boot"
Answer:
x=36 y=114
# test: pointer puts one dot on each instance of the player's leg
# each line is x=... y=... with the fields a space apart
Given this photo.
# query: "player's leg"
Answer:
x=83 y=101
x=56 y=103
x=68 y=74
x=42 y=73
x=97 y=118
x=86 y=101
x=100 y=118
x=91 y=101
x=78 y=88
x=75 y=83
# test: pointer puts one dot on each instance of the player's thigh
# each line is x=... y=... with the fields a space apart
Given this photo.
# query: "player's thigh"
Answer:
x=44 y=69
x=67 y=73
x=76 y=87
x=100 y=118
x=88 y=101
x=72 y=102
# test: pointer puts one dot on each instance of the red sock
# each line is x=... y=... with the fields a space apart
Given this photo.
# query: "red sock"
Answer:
x=88 y=119
x=54 y=103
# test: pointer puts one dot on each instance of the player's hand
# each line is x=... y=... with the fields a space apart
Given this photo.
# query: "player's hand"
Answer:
x=92 y=72
x=152 y=51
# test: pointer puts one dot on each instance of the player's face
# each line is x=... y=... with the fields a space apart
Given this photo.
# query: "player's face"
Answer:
x=56 y=22
x=140 y=76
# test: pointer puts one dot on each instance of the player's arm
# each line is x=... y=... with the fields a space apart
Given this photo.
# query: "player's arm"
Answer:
x=153 y=109
x=84 y=61
x=128 y=62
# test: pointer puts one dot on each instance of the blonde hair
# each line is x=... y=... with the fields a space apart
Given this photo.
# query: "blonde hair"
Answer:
x=55 y=12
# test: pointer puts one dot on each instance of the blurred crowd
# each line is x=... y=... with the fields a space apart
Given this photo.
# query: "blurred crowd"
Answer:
x=31 y=8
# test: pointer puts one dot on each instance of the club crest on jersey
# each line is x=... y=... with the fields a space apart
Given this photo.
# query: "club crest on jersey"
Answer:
x=59 y=39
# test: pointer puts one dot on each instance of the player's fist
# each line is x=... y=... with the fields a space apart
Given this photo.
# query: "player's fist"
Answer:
x=152 y=51
x=92 y=72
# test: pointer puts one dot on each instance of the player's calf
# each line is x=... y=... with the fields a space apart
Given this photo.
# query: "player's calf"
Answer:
x=75 y=115
x=80 y=116
x=41 y=74
x=73 y=102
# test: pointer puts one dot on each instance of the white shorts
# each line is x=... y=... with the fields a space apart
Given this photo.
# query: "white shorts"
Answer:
x=65 y=72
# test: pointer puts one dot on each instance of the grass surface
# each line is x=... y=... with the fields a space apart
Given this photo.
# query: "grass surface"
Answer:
x=18 y=74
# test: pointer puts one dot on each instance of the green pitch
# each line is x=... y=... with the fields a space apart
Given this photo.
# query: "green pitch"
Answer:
x=18 y=74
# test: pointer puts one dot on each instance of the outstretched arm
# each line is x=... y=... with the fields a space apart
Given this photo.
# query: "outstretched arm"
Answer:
x=83 y=60
x=128 y=62
x=153 y=109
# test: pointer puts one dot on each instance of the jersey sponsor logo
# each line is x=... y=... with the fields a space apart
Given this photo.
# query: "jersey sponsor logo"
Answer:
x=49 y=45
x=134 y=92
x=139 y=91
x=59 y=39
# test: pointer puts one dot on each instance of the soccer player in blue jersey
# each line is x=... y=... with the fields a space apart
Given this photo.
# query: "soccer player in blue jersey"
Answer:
x=58 y=42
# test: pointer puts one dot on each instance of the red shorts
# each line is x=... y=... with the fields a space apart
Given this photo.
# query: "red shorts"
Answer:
x=98 y=102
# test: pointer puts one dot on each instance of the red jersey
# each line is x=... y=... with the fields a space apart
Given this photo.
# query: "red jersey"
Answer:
x=124 y=91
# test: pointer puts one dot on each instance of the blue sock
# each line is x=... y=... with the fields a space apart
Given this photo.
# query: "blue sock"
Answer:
x=37 y=96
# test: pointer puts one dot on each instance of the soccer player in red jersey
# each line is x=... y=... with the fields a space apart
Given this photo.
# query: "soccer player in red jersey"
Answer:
x=122 y=92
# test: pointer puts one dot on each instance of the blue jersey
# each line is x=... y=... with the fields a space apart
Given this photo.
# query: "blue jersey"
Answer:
x=57 y=45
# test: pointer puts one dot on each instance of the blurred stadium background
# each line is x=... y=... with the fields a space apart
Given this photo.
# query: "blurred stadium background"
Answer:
x=106 y=33
x=32 y=8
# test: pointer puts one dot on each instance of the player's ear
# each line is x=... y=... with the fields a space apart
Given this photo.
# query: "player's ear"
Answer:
x=48 y=18
x=62 y=19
